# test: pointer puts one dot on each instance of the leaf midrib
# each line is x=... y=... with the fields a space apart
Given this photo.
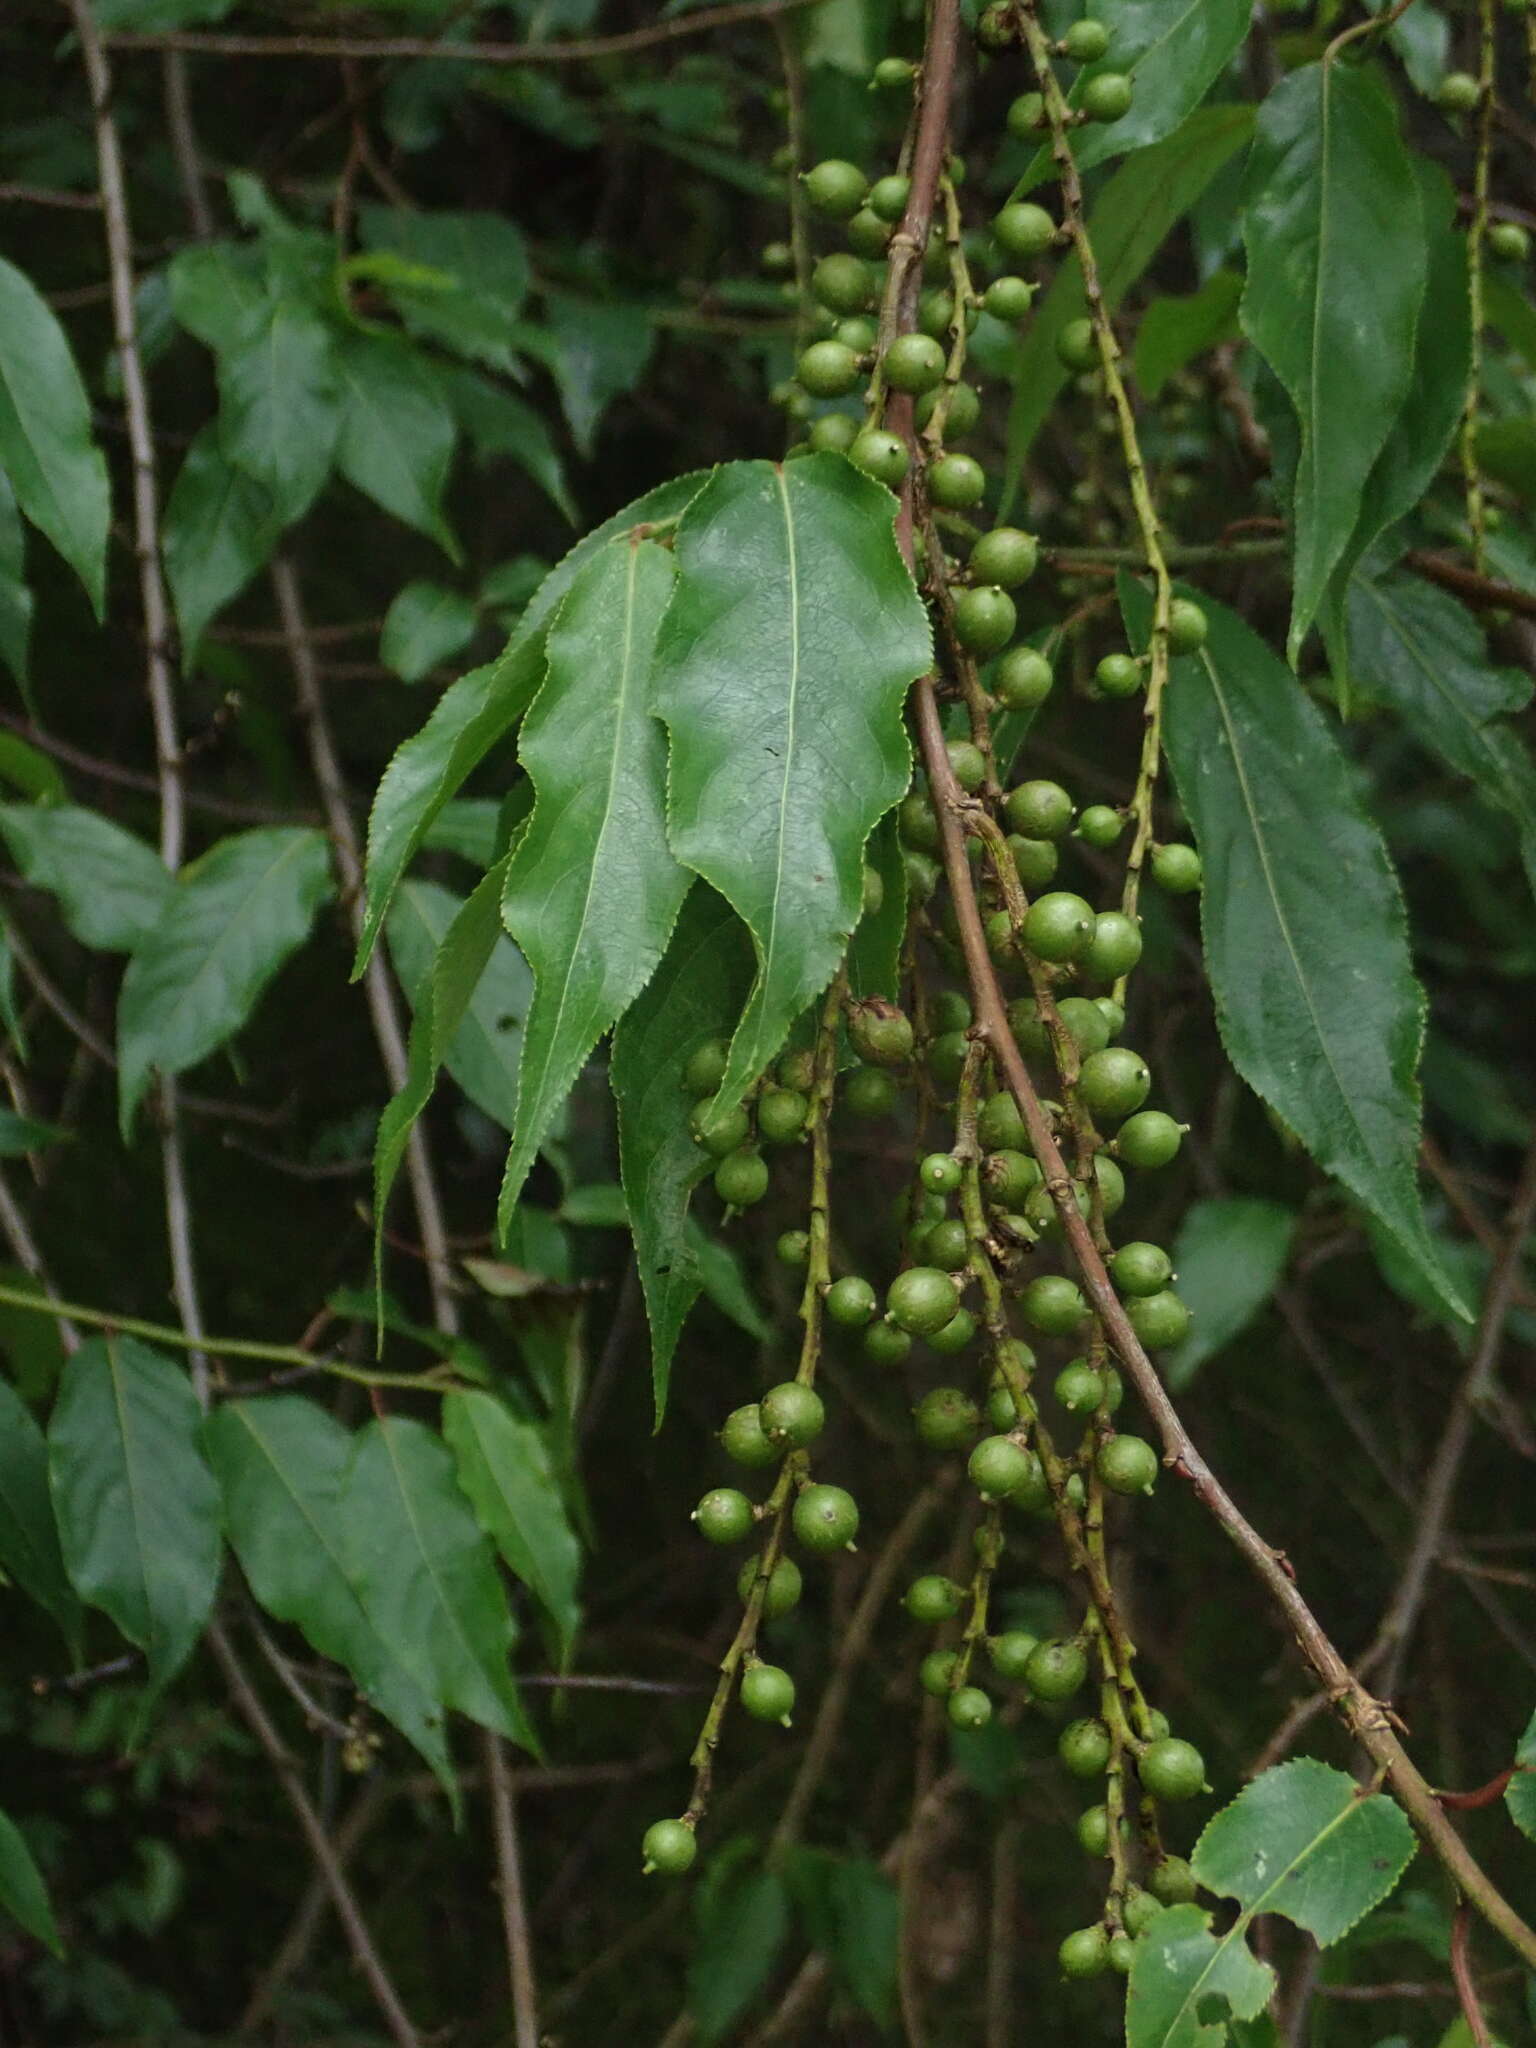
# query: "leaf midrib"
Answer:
x=770 y=940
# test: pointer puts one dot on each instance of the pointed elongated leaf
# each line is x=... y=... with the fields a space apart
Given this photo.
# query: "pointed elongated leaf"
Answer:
x=1328 y=178
x=426 y=1575
x=1173 y=331
x=22 y=1891
x=1128 y=224
x=601 y=350
x=397 y=432
x=481 y=1050
x=112 y=888
x=1300 y=1841
x=696 y=994
x=593 y=889
x=29 y=1534
x=481 y=276
x=218 y=291
x=742 y=1925
x=426 y=624
x=1315 y=994
x=504 y=1467
x=221 y=526
x=15 y=598
x=281 y=1464
x=499 y=425
x=233 y=918
x=874 y=958
x=57 y=472
x=137 y=1507
x=1520 y=1792
x=1418 y=650
x=477 y=712
x=280 y=402
x=781 y=673
x=1229 y=1255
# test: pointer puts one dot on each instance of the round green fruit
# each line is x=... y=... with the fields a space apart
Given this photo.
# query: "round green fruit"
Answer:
x=1457 y=93
x=868 y=234
x=1023 y=229
x=724 y=1515
x=1083 y=1747
x=1040 y=810
x=1116 y=946
x=957 y=482
x=1035 y=860
x=913 y=363
x=985 y=619
x=742 y=1178
x=932 y=1599
x=1171 y=1769
x=880 y=1033
x=1077 y=346
x=1151 y=1138
x=826 y=1517
x=962 y=410
x=940 y=1173
x=1059 y=927
x=835 y=188
x=1056 y=1670
x=1127 y=1464
x=1079 y=1388
x=1508 y=242
x=922 y=1300
x=1106 y=96
x=1000 y=1127
x=742 y=1438
x=1093 y=1831
x=843 y=282
x=1176 y=868
x=946 y=1057
x=1010 y=1653
x=792 y=1415
x=1085 y=1953
x=828 y=369
x=834 y=431
x=1009 y=1176
x=781 y=1115
x=1085 y=41
x=936 y=1671
x=1118 y=675
x=782 y=1593
x=880 y=455
x=969 y=1708
x=1008 y=298
x=1006 y=556
x=884 y=1344
x=1140 y=1268
x=1085 y=1022
x=997 y=1466
x=1053 y=1305
x=870 y=1091
x=1100 y=827
x=1026 y=116
x=669 y=1847
x=719 y=1131
x=949 y=1246
x=1022 y=680
x=892 y=72
x=768 y=1693
x=888 y=196
x=851 y=1302
x=1172 y=1882
x=946 y=1419
x=956 y=1334
x=1138 y=1910
x=1113 y=1083
x=705 y=1069
x=1160 y=1320
x=1187 y=626
x=1111 y=1184
x=967 y=763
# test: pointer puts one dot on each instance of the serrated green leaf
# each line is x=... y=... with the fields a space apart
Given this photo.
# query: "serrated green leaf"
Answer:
x=29 y=1534
x=55 y=469
x=1520 y=1792
x=426 y=1574
x=472 y=716
x=426 y=624
x=724 y=1282
x=234 y=917
x=1416 y=649
x=112 y=888
x=280 y=401
x=34 y=773
x=1173 y=331
x=1315 y=994
x=696 y=994
x=1127 y=225
x=221 y=526
x=601 y=348
x=1329 y=177
x=498 y=425
x=137 y=1507
x=1173 y=51
x=593 y=889
x=781 y=672
x=22 y=1891
x=1177 y=1965
x=504 y=1467
x=483 y=261
x=217 y=291
x=281 y=1463
x=742 y=1925
x=396 y=434
x=470 y=826
x=1229 y=1255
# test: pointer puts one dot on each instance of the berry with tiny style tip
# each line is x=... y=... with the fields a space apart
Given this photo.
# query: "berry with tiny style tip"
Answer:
x=1059 y=927
x=782 y=1592
x=741 y=1179
x=743 y=1441
x=1127 y=1464
x=932 y=1599
x=880 y=455
x=985 y=619
x=768 y=1693
x=669 y=1848
x=1160 y=1320
x=1176 y=868
x=851 y=1302
x=1022 y=680
x=792 y=1415
x=1171 y=1769
x=1023 y=229
x=969 y=1708
x=828 y=369
x=922 y=1300
x=825 y=1518
x=1106 y=96
x=835 y=188
x=1085 y=1953
x=945 y=1418
x=724 y=1515
x=1053 y=1305
x=1149 y=1139
x=913 y=363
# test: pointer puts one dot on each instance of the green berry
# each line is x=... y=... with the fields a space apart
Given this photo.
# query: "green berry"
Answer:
x=913 y=363
x=1083 y=1747
x=777 y=258
x=968 y=764
x=880 y=1033
x=828 y=369
x=669 y=1847
x=1141 y=1268
x=705 y=1069
x=1006 y=556
x=719 y=1131
x=742 y=1178
x=884 y=1344
x=1127 y=1464
x=997 y=1466
x=1150 y=1138
x=1035 y=860
x=826 y=1518
x=1085 y=41
x=724 y=1515
x=922 y=1300
x=1121 y=1953
x=956 y=1334
x=792 y=1415
x=1111 y=1184
x=946 y=1057
x=1008 y=1177
x=1116 y=946
x=843 y=282
x=1056 y=1670
x=1085 y=1023
x=918 y=825
x=858 y=333
x=783 y=1590
x=1176 y=868
x=1172 y=1881
x=1099 y=826
x=890 y=73
x=1106 y=96
x=888 y=196
x=1033 y=1492
x=1187 y=626
x=1112 y=1012
x=1010 y=1653
x=1171 y=1768
x=768 y=1693
x=945 y=1418
x=1040 y=810
x=742 y=1438
x=1118 y=675
x=1002 y=1411
x=1113 y=1083
x=999 y=1125
x=870 y=1091
x=932 y=1599
x=1059 y=927
x=1077 y=346
x=1024 y=229
x=949 y=1246
x=1138 y=1910
x=835 y=188
x=962 y=411
x=868 y=234
x=834 y=431
x=1079 y=1388
x=985 y=619
x=797 y=1070
x=936 y=1671
x=1457 y=93
x=851 y=1302
x=1022 y=680
x=1085 y=1953
x=1053 y=1305
x=781 y=1115
x=880 y=455
x=957 y=482
x=969 y=1708
x=1159 y=1320
x=1008 y=298
x=793 y=1248
x=1508 y=242
x=1025 y=116
x=1093 y=1831
x=940 y=1173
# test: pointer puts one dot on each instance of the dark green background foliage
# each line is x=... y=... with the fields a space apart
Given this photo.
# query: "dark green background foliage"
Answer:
x=413 y=329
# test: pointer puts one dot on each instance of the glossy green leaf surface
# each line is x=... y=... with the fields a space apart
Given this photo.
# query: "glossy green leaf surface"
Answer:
x=137 y=1507
x=471 y=278
x=1520 y=1793
x=16 y=602
x=233 y=918
x=1229 y=1255
x=502 y=427
x=58 y=474
x=22 y=1891
x=874 y=957
x=426 y=624
x=396 y=434
x=475 y=713
x=1299 y=1841
x=505 y=1469
x=601 y=349
x=781 y=673
x=221 y=526
x=1173 y=331
x=1328 y=179
x=696 y=994
x=281 y=1464
x=29 y=1535
x=742 y=1925
x=112 y=888
x=1315 y=993
x=435 y=942
x=592 y=889
x=280 y=402
x=426 y=1575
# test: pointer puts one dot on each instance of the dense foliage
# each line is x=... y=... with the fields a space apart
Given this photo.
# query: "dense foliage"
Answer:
x=804 y=1313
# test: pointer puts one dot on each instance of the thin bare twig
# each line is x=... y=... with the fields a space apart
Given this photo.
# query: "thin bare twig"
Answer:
x=1461 y=1976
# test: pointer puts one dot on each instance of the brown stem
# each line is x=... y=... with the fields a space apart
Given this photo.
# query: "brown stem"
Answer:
x=1461 y=1974
x=514 y=1909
